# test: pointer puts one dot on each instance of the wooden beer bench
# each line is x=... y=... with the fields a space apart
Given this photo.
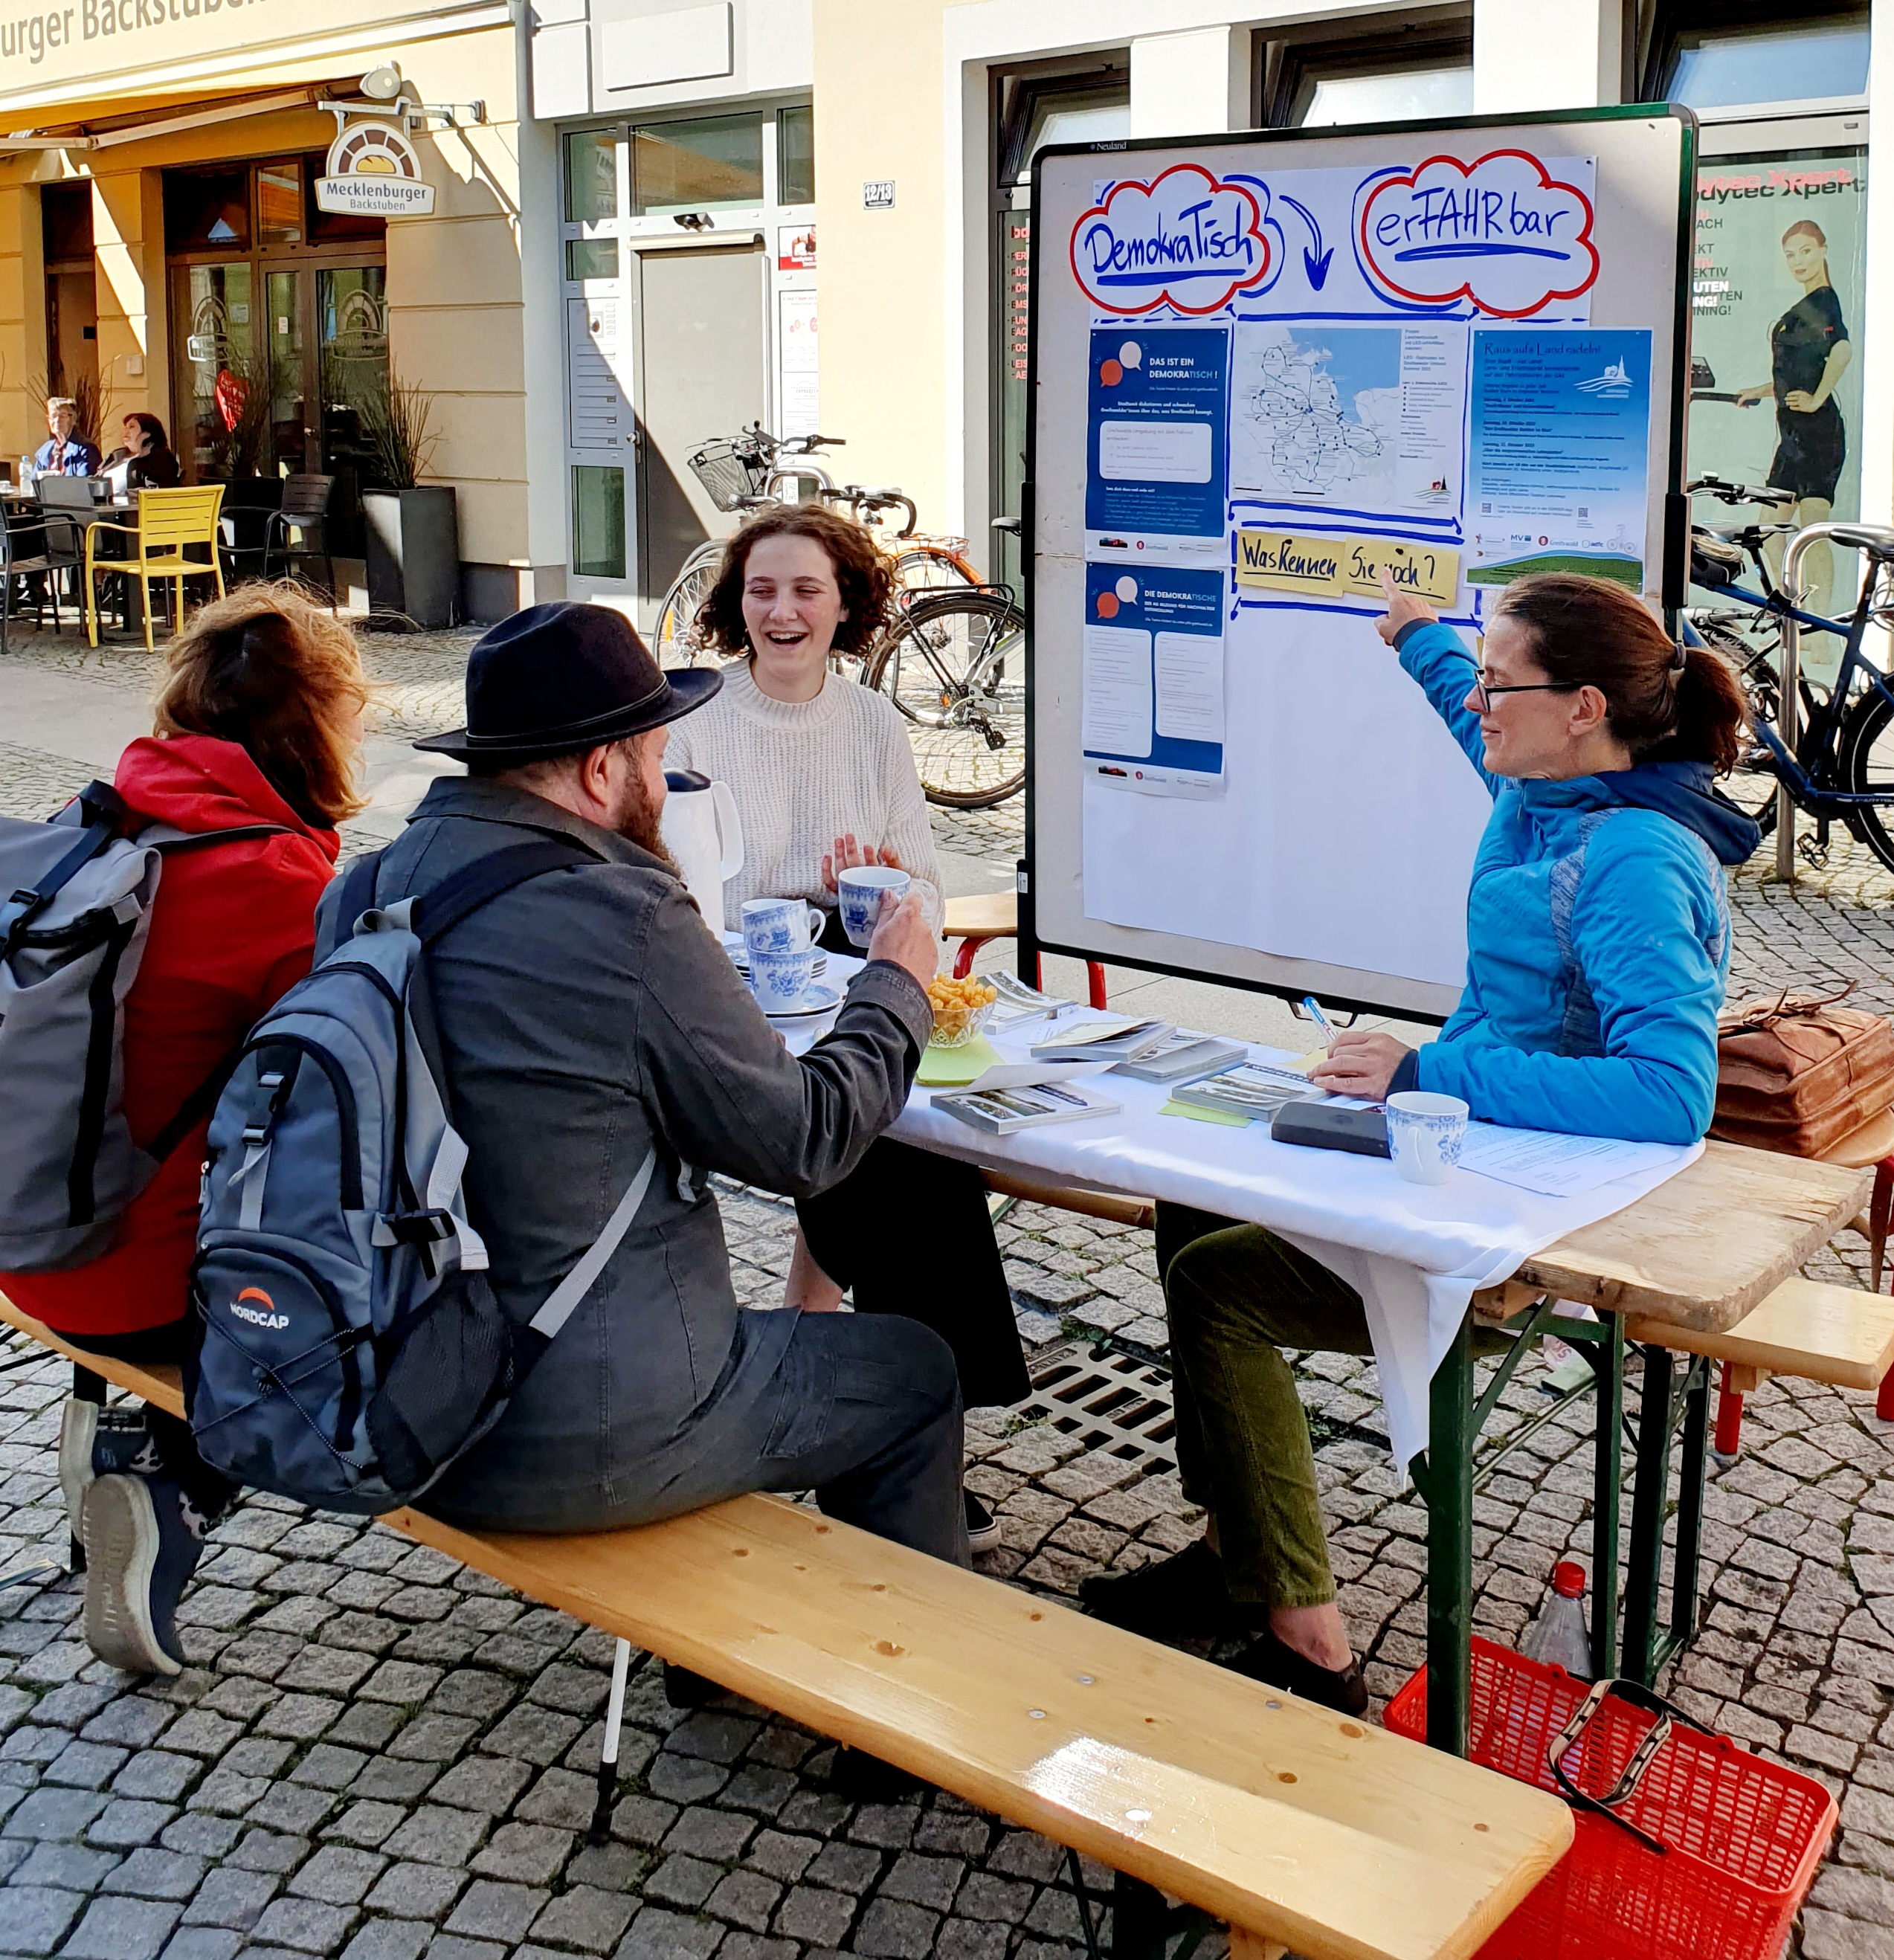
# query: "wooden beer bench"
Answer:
x=1300 y=1827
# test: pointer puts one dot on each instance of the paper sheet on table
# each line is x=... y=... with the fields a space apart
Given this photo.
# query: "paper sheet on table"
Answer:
x=1556 y=1166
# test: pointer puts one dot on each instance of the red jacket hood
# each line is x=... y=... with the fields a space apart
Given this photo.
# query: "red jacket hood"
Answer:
x=197 y=782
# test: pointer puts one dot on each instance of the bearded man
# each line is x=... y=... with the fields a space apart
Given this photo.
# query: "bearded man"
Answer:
x=590 y=1015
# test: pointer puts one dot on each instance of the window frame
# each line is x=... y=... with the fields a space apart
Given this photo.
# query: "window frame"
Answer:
x=1668 y=25
x=1290 y=63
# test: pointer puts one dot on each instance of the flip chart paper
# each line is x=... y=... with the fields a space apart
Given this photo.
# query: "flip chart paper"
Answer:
x=1117 y=691
x=1154 y=452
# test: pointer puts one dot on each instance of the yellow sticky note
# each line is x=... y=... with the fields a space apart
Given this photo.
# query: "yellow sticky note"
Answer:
x=1283 y=561
x=1428 y=572
x=1197 y=1113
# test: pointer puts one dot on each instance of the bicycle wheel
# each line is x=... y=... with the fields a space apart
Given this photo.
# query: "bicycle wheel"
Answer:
x=675 y=640
x=928 y=568
x=1753 y=785
x=1867 y=766
x=955 y=666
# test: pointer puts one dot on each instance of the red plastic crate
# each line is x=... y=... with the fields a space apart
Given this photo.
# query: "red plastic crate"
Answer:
x=1745 y=1835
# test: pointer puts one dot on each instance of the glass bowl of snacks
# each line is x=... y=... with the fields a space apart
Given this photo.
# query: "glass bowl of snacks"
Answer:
x=962 y=1009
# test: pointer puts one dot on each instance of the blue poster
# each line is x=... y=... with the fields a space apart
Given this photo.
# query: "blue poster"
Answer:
x=1153 y=711
x=1156 y=439
x=1559 y=446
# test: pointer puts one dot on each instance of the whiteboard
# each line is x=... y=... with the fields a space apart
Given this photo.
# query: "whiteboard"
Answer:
x=1262 y=366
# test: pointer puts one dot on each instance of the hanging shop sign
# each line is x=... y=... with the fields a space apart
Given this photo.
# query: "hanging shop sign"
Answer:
x=373 y=172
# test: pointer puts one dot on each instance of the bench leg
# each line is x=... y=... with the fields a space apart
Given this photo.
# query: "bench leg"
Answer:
x=963 y=960
x=1095 y=983
x=1140 y=1920
x=1608 y=1362
x=1879 y=1207
x=1647 y=1515
x=1728 y=1418
x=601 y=1828
x=1245 y=1945
x=1688 y=1569
x=1449 y=1547
x=86 y=1387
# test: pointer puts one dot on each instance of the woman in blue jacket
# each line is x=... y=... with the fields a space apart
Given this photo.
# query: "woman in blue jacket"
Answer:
x=1598 y=943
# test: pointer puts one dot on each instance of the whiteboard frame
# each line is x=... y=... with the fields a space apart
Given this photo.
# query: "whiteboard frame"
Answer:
x=1284 y=975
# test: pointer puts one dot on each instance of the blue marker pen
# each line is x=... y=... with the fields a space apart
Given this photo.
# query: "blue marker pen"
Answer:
x=1321 y=1020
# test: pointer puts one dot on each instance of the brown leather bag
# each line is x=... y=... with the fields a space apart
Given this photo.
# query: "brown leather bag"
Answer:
x=1798 y=1072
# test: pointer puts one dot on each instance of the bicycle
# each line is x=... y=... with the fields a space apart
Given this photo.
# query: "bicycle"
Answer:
x=753 y=471
x=1842 y=764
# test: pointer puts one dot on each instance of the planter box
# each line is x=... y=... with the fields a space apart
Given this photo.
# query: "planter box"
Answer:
x=414 y=553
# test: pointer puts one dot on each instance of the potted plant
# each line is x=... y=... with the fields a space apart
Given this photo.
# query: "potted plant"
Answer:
x=413 y=529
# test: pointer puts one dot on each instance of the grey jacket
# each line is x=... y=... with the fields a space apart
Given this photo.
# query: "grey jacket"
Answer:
x=584 y=1016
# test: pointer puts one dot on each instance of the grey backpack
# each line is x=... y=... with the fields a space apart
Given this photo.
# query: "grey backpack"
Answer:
x=349 y=1346
x=72 y=933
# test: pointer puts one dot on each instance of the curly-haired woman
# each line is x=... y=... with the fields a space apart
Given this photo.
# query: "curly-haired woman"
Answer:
x=822 y=774
x=258 y=724
x=824 y=779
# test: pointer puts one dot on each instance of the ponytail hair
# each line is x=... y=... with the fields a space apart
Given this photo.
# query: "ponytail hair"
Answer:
x=1665 y=702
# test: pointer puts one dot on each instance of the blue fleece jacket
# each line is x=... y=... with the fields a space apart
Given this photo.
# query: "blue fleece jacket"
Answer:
x=1598 y=939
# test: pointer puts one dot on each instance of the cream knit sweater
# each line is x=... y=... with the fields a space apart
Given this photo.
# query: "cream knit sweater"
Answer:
x=804 y=772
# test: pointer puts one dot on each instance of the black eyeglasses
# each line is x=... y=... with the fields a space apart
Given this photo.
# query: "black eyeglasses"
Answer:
x=1483 y=695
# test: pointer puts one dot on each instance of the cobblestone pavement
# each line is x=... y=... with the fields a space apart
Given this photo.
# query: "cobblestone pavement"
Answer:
x=376 y=1754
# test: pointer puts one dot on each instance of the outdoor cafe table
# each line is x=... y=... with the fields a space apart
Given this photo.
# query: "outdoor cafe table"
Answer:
x=1699 y=1250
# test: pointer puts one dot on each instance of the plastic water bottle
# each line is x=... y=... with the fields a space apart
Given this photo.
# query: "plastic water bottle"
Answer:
x=1558 y=1636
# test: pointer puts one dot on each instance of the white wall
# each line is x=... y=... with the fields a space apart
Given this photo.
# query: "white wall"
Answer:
x=1545 y=54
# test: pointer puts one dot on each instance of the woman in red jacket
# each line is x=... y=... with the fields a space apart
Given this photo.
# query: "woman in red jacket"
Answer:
x=258 y=722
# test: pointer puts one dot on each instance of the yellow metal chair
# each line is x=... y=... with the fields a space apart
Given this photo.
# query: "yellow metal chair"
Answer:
x=168 y=522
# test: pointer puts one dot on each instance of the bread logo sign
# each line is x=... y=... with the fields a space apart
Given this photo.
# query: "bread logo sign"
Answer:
x=269 y=1317
x=1501 y=232
x=1186 y=240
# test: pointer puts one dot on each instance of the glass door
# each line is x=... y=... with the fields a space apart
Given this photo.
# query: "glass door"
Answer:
x=223 y=432
x=351 y=330
x=290 y=435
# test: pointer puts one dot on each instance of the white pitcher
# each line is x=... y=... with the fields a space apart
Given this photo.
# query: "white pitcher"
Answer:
x=704 y=834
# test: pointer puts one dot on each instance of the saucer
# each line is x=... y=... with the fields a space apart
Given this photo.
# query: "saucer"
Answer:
x=740 y=955
x=816 y=1000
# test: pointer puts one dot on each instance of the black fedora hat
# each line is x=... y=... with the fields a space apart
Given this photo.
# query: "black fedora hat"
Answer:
x=552 y=680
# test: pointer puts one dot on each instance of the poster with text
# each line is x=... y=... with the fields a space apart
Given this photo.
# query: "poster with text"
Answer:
x=1155 y=471
x=1153 y=713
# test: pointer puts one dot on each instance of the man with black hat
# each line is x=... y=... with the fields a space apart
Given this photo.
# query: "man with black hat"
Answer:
x=586 y=1017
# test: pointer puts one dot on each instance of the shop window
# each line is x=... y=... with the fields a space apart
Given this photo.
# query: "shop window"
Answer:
x=1091 y=104
x=1387 y=97
x=65 y=220
x=279 y=203
x=1710 y=67
x=698 y=165
x=207 y=211
x=591 y=176
x=591 y=258
x=796 y=156
x=598 y=521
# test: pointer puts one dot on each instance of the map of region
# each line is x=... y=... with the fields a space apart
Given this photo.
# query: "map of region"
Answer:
x=1315 y=414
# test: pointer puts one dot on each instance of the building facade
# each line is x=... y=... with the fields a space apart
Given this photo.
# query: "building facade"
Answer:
x=620 y=217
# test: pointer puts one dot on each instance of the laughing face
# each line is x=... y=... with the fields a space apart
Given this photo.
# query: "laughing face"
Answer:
x=792 y=605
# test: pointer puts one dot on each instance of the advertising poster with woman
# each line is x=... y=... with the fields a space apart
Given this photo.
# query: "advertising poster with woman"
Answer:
x=1776 y=300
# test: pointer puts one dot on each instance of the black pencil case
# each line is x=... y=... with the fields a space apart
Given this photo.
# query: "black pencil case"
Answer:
x=1320 y=1126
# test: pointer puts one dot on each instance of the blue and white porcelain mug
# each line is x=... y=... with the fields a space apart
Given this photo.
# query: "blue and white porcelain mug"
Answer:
x=779 y=980
x=858 y=893
x=1425 y=1132
x=781 y=925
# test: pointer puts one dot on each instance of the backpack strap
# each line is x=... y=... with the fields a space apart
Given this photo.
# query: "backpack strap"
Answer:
x=102 y=816
x=355 y=896
x=439 y=909
x=172 y=843
x=558 y=1308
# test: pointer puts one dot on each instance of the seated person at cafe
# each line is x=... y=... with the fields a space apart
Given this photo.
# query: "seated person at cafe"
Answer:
x=588 y=1015
x=824 y=779
x=1598 y=936
x=65 y=452
x=145 y=462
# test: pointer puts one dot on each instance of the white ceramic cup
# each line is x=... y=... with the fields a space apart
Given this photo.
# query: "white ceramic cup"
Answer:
x=781 y=925
x=858 y=893
x=779 y=980
x=1425 y=1132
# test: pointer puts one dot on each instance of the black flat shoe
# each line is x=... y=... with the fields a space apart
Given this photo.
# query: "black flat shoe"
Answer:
x=1180 y=1596
x=1276 y=1665
x=862 y=1778
x=683 y=1689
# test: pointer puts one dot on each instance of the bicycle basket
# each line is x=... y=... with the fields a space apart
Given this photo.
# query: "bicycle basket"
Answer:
x=727 y=473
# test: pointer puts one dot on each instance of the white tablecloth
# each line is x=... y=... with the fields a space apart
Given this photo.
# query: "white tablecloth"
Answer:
x=1416 y=1253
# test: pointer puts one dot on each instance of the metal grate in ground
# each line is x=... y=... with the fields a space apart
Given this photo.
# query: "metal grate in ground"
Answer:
x=1117 y=1403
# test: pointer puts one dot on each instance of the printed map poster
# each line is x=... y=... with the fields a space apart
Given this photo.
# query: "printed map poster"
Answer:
x=1153 y=715
x=1558 y=454
x=1156 y=465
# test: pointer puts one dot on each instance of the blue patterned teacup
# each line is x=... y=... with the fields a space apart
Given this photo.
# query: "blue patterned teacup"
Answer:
x=859 y=893
x=781 y=925
x=1425 y=1132
x=779 y=980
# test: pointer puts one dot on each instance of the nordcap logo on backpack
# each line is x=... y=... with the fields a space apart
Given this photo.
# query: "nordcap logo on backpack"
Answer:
x=332 y=1197
x=72 y=933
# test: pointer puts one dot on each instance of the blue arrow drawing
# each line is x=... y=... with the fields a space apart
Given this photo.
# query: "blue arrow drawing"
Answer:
x=1314 y=259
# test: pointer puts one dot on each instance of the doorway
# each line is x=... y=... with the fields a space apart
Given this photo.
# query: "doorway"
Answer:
x=703 y=348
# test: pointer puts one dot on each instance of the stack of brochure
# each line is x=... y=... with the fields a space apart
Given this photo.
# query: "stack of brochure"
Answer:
x=1257 y=1089
x=1001 y=1111
x=1103 y=1041
x=1183 y=1056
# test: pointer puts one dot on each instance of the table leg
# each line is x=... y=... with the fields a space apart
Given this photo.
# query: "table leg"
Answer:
x=1688 y=1568
x=1449 y=1546
x=1645 y=1565
x=1140 y=1919
x=1608 y=1362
